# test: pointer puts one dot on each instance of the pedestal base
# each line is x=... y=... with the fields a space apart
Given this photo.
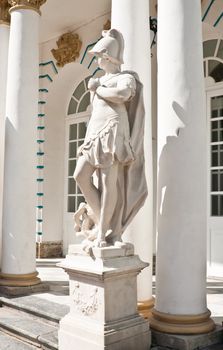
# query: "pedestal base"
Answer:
x=103 y=295
x=126 y=334
x=188 y=342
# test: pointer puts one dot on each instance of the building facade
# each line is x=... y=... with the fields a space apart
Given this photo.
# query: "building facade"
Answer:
x=45 y=106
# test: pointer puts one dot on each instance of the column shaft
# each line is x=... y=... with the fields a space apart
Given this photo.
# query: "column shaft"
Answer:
x=18 y=256
x=132 y=19
x=4 y=40
x=181 y=257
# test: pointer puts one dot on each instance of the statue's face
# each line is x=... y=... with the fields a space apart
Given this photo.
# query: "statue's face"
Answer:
x=104 y=63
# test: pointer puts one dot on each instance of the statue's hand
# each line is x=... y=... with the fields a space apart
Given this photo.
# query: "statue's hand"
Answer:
x=93 y=84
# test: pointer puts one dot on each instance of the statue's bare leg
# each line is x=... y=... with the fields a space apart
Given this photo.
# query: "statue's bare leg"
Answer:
x=108 y=200
x=83 y=176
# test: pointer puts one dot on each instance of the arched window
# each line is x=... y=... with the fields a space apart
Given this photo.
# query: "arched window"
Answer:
x=80 y=99
x=76 y=123
x=213 y=59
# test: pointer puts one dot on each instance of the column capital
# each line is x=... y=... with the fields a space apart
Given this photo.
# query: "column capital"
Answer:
x=26 y=4
x=4 y=12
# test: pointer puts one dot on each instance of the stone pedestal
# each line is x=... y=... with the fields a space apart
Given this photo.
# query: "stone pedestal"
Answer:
x=103 y=301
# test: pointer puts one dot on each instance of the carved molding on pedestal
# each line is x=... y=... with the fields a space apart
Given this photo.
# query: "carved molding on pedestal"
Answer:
x=86 y=304
x=4 y=12
x=26 y=4
x=68 y=50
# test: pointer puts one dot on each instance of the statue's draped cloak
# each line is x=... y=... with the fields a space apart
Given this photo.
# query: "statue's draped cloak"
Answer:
x=131 y=185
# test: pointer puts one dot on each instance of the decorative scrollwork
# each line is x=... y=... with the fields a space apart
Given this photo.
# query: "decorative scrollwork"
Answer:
x=29 y=4
x=68 y=50
x=107 y=25
x=4 y=12
x=86 y=304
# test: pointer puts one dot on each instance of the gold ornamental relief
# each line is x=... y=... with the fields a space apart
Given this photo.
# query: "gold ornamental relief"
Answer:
x=26 y=4
x=4 y=12
x=107 y=25
x=68 y=51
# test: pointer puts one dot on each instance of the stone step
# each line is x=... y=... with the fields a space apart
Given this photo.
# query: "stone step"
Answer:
x=36 y=306
x=11 y=343
x=48 y=262
x=28 y=329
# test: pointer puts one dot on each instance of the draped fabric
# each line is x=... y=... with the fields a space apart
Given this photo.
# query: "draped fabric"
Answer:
x=131 y=185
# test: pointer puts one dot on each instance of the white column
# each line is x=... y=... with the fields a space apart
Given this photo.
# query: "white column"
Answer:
x=4 y=42
x=18 y=254
x=131 y=17
x=181 y=259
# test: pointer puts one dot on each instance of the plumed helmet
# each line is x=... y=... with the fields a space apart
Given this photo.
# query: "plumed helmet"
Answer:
x=111 y=46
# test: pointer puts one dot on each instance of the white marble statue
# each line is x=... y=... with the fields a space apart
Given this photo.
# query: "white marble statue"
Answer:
x=113 y=146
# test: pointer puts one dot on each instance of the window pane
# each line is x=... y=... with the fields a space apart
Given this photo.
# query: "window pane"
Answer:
x=71 y=186
x=204 y=67
x=72 y=166
x=214 y=157
x=71 y=208
x=209 y=48
x=78 y=190
x=214 y=180
x=221 y=180
x=73 y=132
x=82 y=130
x=72 y=149
x=214 y=113
x=221 y=155
x=84 y=103
x=214 y=136
x=87 y=80
x=214 y=205
x=215 y=70
x=220 y=50
x=214 y=125
x=79 y=91
x=221 y=205
x=72 y=106
x=217 y=102
x=80 y=199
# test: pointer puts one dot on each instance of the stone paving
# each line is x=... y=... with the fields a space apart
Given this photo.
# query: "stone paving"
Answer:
x=44 y=303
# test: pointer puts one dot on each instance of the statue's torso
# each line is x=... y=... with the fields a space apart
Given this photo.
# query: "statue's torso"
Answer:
x=104 y=111
x=108 y=136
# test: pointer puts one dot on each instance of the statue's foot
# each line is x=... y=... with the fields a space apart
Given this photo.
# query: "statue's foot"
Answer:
x=93 y=234
x=99 y=243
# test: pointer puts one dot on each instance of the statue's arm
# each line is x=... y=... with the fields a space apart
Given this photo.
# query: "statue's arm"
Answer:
x=115 y=95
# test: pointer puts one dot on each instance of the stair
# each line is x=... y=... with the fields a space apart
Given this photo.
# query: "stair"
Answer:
x=29 y=323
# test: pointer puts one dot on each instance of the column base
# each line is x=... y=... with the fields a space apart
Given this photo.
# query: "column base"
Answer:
x=145 y=308
x=14 y=280
x=181 y=324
